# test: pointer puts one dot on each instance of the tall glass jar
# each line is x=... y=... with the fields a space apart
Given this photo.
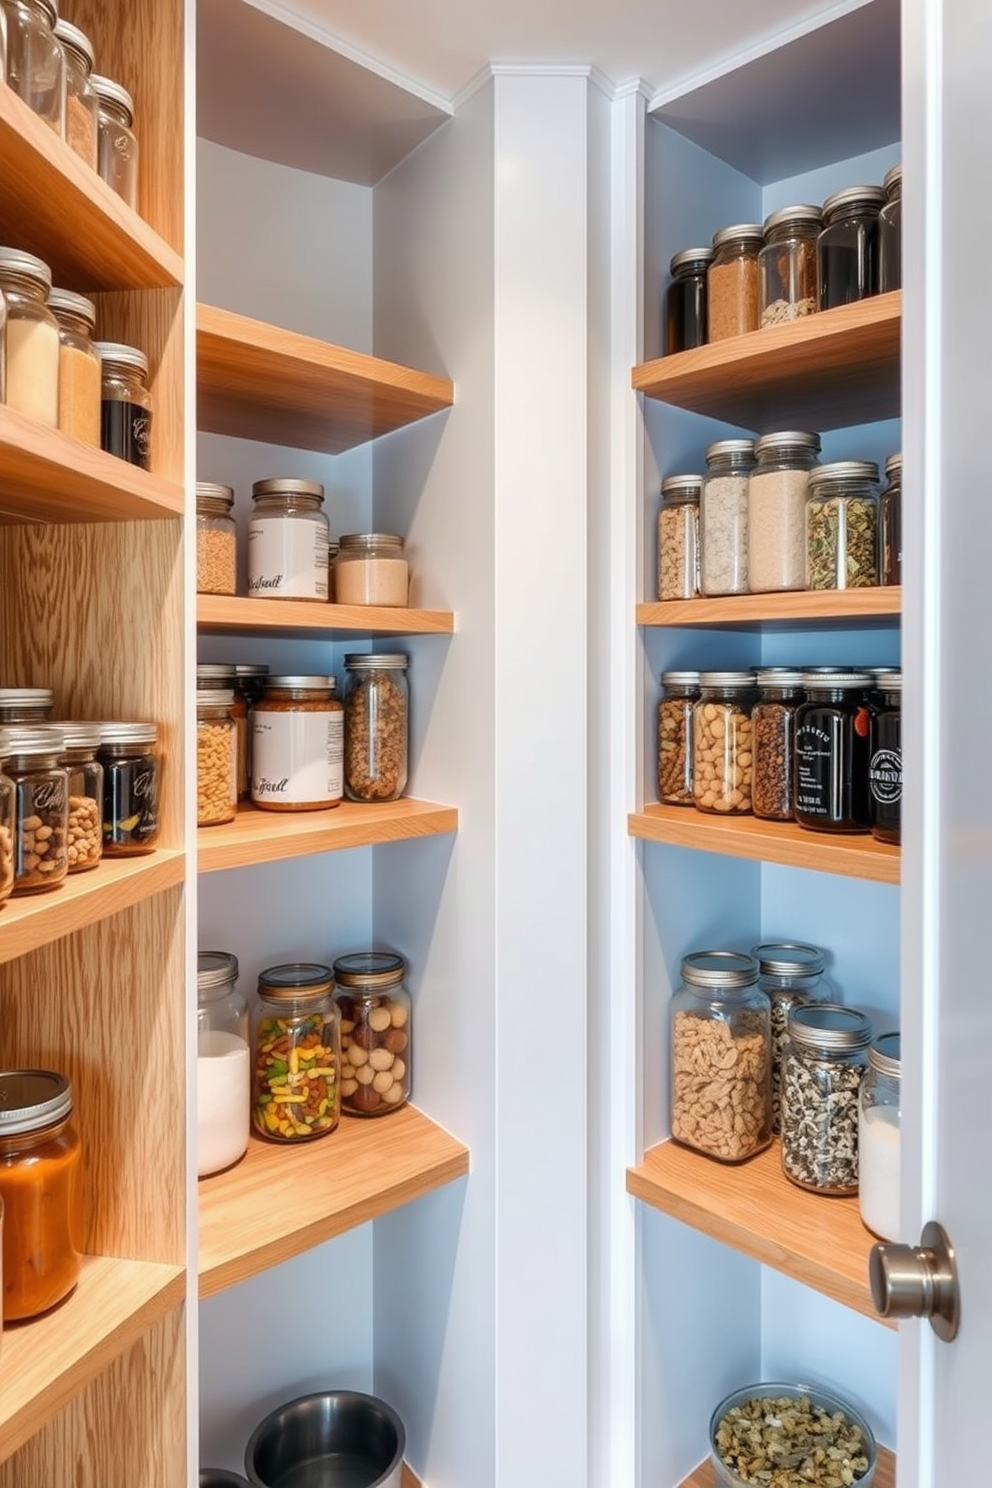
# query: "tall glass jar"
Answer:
x=833 y=750
x=842 y=526
x=223 y=1064
x=723 y=511
x=722 y=758
x=287 y=540
x=216 y=757
x=81 y=103
x=685 y=300
x=678 y=537
x=371 y=569
x=41 y=808
x=791 y=976
x=6 y=822
x=879 y=1137
x=826 y=1054
x=721 y=1057
x=890 y=232
x=375 y=1032
x=117 y=144
x=30 y=705
x=32 y=339
x=79 y=366
x=787 y=264
x=216 y=539
x=296 y=1038
x=85 y=840
x=776 y=510
x=847 y=248
x=131 y=774
x=376 y=726
x=126 y=405
x=41 y=1188
x=675 y=734
x=733 y=290
x=35 y=60
x=890 y=522
x=780 y=691
x=885 y=768
x=249 y=684
x=297 y=745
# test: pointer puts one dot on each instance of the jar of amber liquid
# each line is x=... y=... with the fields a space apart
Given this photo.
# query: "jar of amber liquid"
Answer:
x=41 y=1190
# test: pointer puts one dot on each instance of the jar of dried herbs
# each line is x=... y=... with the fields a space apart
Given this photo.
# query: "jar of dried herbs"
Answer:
x=681 y=691
x=678 y=537
x=826 y=1054
x=732 y=283
x=791 y=976
x=773 y=723
x=891 y=522
x=787 y=264
x=842 y=526
x=833 y=749
x=685 y=300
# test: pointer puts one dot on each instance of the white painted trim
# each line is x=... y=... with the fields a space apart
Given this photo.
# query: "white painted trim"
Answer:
x=473 y=86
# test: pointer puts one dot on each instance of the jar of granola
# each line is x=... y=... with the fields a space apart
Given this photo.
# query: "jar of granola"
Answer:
x=376 y=727
x=722 y=757
x=296 y=1089
x=375 y=1032
x=678 y=537
x=681 y=692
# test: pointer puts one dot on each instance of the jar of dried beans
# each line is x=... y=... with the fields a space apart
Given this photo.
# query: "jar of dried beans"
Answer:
x=81 y=103
x=722 y=747
x=826 y=1053
x=85 y=840
x=375 y=1032
x=296 y=1039
x=833 y=750
x=890 y=522
x=35 y=60
x=885 y=767
x=721 y=1056
x=847 y=248
x=297 y=744
x=723 y=517
x=41 y=808
x=216 y=539
x=117 y=145
x=791 y=975
x=6 y=822
x=681 y=693
x=733 y=289
x=776 y=510
x=788 y=264
x=773 y=721
x=287 y=540
x=131 y=776
x=376 y=727
x=216 y=759
x=842 y=526
x=685 y=300
x=126 y=405
x=890 y=232
x=32 y=338
x=80 y=373
x=678 y=537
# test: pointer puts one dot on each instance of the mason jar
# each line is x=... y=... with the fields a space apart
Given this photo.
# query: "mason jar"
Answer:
x=890 y=522
x=733 y=290
x=375 y=1032
x=842 y=526
x=117 y=144
x=787 y=264
x=216 y=757
x=41 y=807
x=847 y=248
x=223 y=1064
x=675 y=734
x=216 y=539
x=296 y=1039
x=721 y=1057
x=131 y=779
x=371 y=569
x=249 y=684
x=833 y=751
x=79 y=366
x=773 y=721
x=32 y=337
x=82 y=106
x=879 y=1137
x=678 y=537
x=826 y=1054
x=126 y=405
x=28 y=705
x=287 y=540
x=297 y=745
x=6 y=824
x=777 y=489
x=791 y=974
x=723 y=513
x=35 y=60
x=885 y=767
x=890 y=232
x=85 y=840
x=685 y=300
x=722 y=758
x=376 y=726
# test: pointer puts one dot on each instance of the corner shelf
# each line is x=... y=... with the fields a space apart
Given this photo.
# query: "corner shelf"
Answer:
x=705 y=1476
x=219 y=613
x=835 y=607
x=266 y=836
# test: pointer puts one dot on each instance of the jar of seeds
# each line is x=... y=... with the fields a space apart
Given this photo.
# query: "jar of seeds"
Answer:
x=685 y=301
x=890 y=522
x=777 y=489
x=722 y=757
x=787 y=264
x=85 y=840
x=678 y=537
x=723 y=513
x=681 y=692
x=732 y=283
x=773 y=722
x=842 y=526
x=41 y=808
x=890 y=232
x=376 y=727
x=791 y=976
x=825 y=1057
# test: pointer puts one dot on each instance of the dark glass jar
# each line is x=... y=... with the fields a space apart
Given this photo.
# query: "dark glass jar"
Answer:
x=826 y=1054
x=890 y=522
x=296 y=1091
x=847 y=248
x=681 y=692
x=41 y=807
x=833 y=750
x=791 y=975
x=125 y=403
x=773 y=723
x=885 y=768
x=249 y=684
x=130 y=762
x=890 y=232
x=685 y=300
x=375 y=1032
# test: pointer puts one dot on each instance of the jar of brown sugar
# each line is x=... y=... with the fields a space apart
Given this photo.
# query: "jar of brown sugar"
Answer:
x=79 y=366
x=733 y=282
x=370 y=569
x=81 y=103
x=32 y=375
x=297 y=742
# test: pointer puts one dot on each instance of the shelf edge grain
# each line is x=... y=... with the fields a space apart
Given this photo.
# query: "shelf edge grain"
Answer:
x=221 y=612
x=799 y=607
x=269 y=836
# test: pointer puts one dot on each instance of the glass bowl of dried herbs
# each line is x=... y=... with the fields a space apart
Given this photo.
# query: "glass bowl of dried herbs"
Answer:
x=777 y=1435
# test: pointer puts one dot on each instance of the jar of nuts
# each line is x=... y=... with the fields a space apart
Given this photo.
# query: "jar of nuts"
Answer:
x=375 y=1032
x=678 y=537
x=681 y=691
x=376 y=727
x=826 y=1054
x=721 y=1056
x=216 y=540
x=6 y=823
x=216 y=757
x=780 y=691
x=85 y=842
x=41 y=808
x=296 y=1088
x=722 y=758
x=791 y=974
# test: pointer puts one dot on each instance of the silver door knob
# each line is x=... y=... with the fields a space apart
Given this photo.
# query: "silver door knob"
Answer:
x=918 y=1281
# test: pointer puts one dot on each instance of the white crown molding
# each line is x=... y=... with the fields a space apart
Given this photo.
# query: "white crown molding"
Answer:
x=597 y=78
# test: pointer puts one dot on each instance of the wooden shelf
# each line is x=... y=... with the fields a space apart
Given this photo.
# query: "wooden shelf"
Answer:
x=50 y=1359
x=827 y=371
x=705 y=1476
x=265 y=836
x=753 y=1207
x=281 y=1200
x=854 y=856
x=217 y=612
x=256 y=381
x=793 y=610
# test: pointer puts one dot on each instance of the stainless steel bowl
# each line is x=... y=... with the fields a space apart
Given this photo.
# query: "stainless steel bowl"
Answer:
x=219 y=1477
x=332 y=1439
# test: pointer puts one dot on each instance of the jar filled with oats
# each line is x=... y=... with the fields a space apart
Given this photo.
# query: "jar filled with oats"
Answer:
x=678 y=537
x=722 y=747
x=85 y=840
x=826 y=1054
x=787 y=264
x=376 y=727
x=723 y=513
x=732 y=284
x=780 y=691
x=6 y=822
x=216 y=758
x=297 y=743
x=681 y=693
x=41 y=808
x=842 y=526
x=375 y=1032
x=721 y=1056
x=776 y=510
x=216 y=539
x=792 y=975
x=296 y=1040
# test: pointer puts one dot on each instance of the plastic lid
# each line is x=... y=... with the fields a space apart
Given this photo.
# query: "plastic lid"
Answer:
x=16 y=261
x=377 y=661
x=727 y=679
x=215 y=969
x=788 y=439
x=32 y=1099
x=26 y=697
x=893 y=463
x=79 y=733
x=723 y=448
x=680 y=679
x=120 y=355
x=73 y=304
x=214 y=491
x=295 y=979
x=128 y=733
x=778 y=677
x=42 y=740
x=805 y=214
x=748 y=232
x=844 y=470
x=689 y=256
x=852 y=196
x=681 y=487
x=885 y=1054
x=718 y=970
x=369 y=969
x=302 y=683
x=77 y=40
x=369 y=540
x=286 y=485
x=824 y=681
x=789 y=958
x=828 y=1026
x=107 y=89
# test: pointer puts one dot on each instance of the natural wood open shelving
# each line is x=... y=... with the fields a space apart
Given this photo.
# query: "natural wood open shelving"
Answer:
x=704 y=1476
x=281 y=1200
x=257 y=381
x=266 y=836
x=837 y=607
x=217 y=613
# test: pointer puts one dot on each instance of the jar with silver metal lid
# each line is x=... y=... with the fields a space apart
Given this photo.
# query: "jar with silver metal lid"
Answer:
x=223 y=1064
x=287 y=540
x=249 y=684
x=681 y=692
x=885 y=767
x=216 y=539
x=833 y=750
x=82 y=106
x=777 y=491
x=35 y=60
x=685 y=300
x=297 y=744
x=723 y=513
x=842 y=526
x=26 y=705
x=117 y=144
x=41 y=807
x=773 y=723
x=678 y=537
x=890 y=232
x=890 y=522
x=879 y=1137
x=371 y=569
x=79 y=366
x=847 y=248
x=85 y=840
x=375 y=1032
x=126 y=405
x=722 y=750
x=721 y=1056
x=376 y=726
x=32 y=337
x=791 y=974
x=296 y=1038
x=6 y=824
x=131 y=781
x=733 y=290
x=825 y=1057
x=787 y=264
x=216 y=757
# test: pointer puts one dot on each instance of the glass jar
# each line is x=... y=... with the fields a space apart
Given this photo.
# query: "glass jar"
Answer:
x=117 y=145
x=723 y=517
x=41 y=808
x=842 y=526
x=126 y=407
x=722 y=761
x=376 y=727
x=773 y=722
x=6 y=823
x=31 y=705
x=333 y=549
x=216 y=540
x=890 y=522
x=375 y=1032
x=296 y=1090
x=82 y=106
x=216 y=757
x=825 y=1058
x=80 y=374
x=297 y=745
x=370 y=569
x=685 y=300
x=287 y=540
x=776 y=511
x=131 y=771
x=890 y=232
x=791 y=974
x=721 y=1057
x=847 y=248
x=85 y=839
x=249 y=684
x=681 y=692
x=35 y=60
x=885 y=767
x=41 y=1186
x=223 y=1064
x=833 y=751
x=678 y=537
x=733 y=290
x=32 y=338
x=787 y=264
x=879 y=1137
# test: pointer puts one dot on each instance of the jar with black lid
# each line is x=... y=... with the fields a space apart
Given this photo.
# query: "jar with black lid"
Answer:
x=35 y=60
x=297 y=744
x=833 y=751
x=733 y=292
x=847 y=248
x=249 y=684
x=681 y=692
x=678 y=537
x=216 y=539
x=375 y=1032
x=791 y=975
x=885 y=768
x=129 y=755
x=41 y=807
x=85 y=840
x=685 y=300
x=117 y=145
x=842 y=526
x=787 y=264
x=296 y=1038
x=126 y=407
x=722 y=758
x=826 y=1054
x=890 y=522
x=773 y=723
x=287 y=540
x=890 y=232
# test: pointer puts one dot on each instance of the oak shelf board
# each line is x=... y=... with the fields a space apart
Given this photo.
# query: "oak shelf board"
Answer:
x=49 y=1359
x=219 y=613
x=84 y=899
x=281 y=1200
x=852 y=856
x=54 y=205
x=794 y=609
x=826 y=371
x=267 y=836
x=704 y=1476
x=257 y=381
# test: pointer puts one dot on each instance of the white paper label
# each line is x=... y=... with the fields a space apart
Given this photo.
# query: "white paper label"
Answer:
x=287 y=557
x=297 y=758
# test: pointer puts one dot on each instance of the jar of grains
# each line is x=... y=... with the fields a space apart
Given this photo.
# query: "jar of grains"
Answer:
x=847 y=248
x=842 y=526
x=216 y=539
x=890 y=232
x=890 y=522
x=370 y=569
x=216 y=759
x=822 y=1067
x=733 y=290
x=297 y=745
x=685 y=300
x=6 y=822
x=223 y=1064
x=879 y=1137
x=35 y=60
x=80 y=375
x=85 y=840
x=249 y=684
x=126 y=407
x=776 y=511
x=131 y=775
x=375 y=1032
x=117 y=145
x=678 y=537
x=31 y=705
x=723 y=508
x=287 y=540
x=376 y=727
x=41 y=807
x=81 y=103
x=791 y=975
x=885 y=767
x=32 y=374
x=296 y=1090
x=721 y=1056
x=681 y=692
x=787 y=264
x=722 y=758
x=773 y=722
x=833 y=750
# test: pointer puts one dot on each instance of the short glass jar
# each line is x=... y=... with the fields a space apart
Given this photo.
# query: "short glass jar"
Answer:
x=35 y=60
x=85 y=841
x=721 y=1057
x=41 y=1187
x=375 y=1032
x=32 y=337
x=685 y=300
x=30 y=705
x=376 y=726
x=733 y=289
x=249 y=684
x=825 y=1057
x=678 y=537
x=126 y=404
x=41 y=807
x=296 y=1039
x=890 y=522
x=216 y=539
x=223 y=1064
x=879 y=1137
x=791 y=976
x=6 y=823
x=787 y=264
x=297 y=745
x=82 y=106
x=287 y=540
x=131 y=782
x=847 y=248
x=117 y=144
x=777 y=491
x=842 y=526
x=370 y=569
x=885 y=766
x=773 y=722
x=833 y=751
x=216 y=757
x=80 y=375
x=722 y=758
x=675 y=734
x=723 y=512
x=890 y=232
